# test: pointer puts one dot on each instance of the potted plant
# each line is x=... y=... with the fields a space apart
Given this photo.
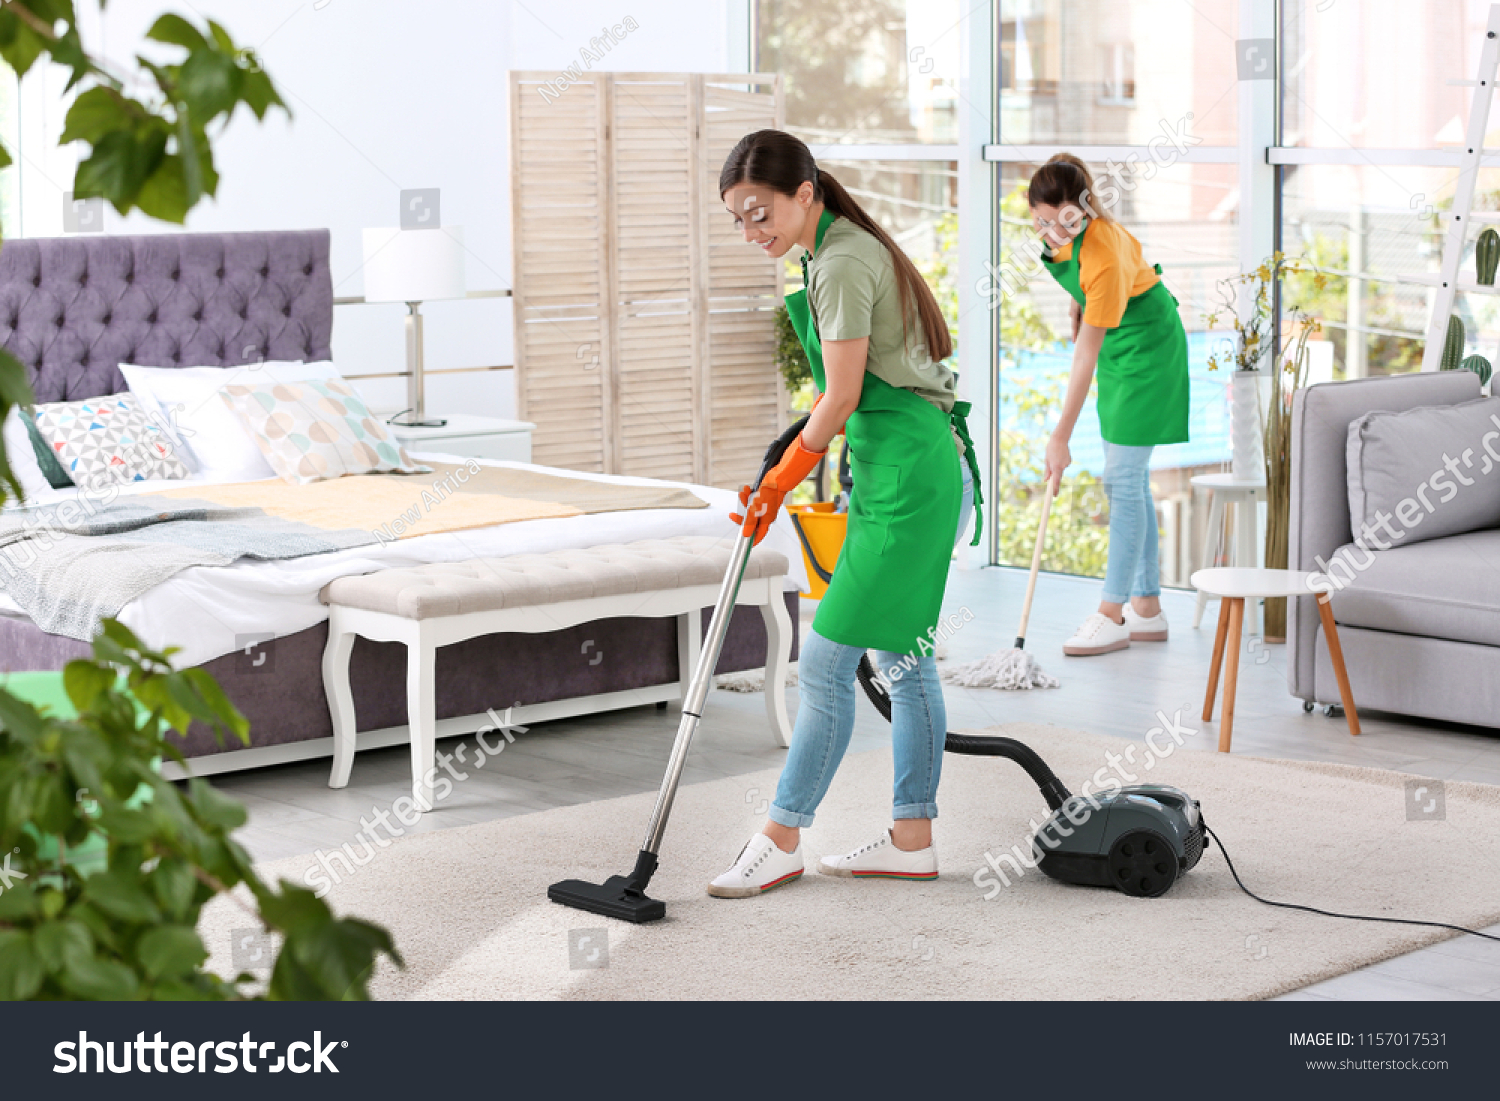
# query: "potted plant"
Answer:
x=1262 y=446
x=1248 y=300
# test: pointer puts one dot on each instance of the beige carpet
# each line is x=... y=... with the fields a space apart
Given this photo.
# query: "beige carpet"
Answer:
x=468 y=905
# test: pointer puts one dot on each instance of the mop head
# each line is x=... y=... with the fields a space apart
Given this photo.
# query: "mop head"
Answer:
x=1009 y=669
x=751 y=680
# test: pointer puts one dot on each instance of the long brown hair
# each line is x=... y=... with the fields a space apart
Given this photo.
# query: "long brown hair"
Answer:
x=1065 y=181
x=776 y=159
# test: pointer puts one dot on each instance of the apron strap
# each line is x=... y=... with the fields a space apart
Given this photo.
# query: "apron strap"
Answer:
x=961 y=426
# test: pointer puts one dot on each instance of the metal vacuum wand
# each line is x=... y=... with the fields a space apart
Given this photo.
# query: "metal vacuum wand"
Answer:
x=624 y=896
x=697 y=693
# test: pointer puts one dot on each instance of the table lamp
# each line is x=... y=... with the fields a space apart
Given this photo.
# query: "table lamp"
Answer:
x=414 y=266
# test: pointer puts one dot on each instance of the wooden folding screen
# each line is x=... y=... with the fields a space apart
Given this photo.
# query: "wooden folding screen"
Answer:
x=644 y=331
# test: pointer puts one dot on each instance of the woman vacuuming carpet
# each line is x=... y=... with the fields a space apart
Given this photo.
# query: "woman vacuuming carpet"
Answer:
x=875 y=339
x=1125 y=324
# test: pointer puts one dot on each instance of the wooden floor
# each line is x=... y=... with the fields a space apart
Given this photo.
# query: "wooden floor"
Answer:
x=292 y=810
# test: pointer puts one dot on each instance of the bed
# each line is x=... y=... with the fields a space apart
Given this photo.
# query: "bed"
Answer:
x=73 y=309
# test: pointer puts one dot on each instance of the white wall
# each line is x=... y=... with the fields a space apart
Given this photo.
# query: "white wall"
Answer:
x=385 y=95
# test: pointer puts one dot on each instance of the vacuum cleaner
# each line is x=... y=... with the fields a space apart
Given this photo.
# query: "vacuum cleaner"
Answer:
x=1137 y=839
x=624 y=896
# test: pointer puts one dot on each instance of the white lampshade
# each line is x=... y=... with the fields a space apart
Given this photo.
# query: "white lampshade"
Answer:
x=414 y=265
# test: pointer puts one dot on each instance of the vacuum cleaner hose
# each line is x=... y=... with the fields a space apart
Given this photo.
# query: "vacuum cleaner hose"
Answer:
x=975 y=745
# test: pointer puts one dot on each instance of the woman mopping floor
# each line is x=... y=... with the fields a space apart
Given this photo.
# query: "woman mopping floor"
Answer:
x=875 y=339
x=1125 y=323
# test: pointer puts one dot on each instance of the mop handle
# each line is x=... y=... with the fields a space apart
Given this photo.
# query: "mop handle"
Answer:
x=1036 y=564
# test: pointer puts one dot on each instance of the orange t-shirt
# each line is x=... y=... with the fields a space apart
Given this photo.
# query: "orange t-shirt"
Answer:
x=1111 y=271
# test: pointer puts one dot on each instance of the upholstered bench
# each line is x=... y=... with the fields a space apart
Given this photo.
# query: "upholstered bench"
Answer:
x=436 y=605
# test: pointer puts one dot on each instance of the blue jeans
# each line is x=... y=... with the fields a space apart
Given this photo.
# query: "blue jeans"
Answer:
x=1133 y=569
x=826 y=689
x=825 y=721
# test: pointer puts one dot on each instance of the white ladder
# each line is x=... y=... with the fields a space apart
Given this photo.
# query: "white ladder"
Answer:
x=1448 y=282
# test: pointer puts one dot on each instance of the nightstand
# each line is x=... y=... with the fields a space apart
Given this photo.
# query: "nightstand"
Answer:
x=470 y=436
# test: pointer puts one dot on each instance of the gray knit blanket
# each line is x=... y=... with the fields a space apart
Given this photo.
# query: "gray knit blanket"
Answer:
x=71 y=565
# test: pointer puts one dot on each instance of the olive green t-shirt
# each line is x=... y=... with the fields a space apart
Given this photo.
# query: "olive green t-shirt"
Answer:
x=852 y=293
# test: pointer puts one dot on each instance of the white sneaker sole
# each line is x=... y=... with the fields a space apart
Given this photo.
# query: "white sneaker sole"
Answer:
x=752 y=892
x=1148 y=636
x=1090 y=651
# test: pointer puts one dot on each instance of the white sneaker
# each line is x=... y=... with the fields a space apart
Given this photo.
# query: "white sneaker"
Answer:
x=1098 y=635
x=759 y=867
x=880 y=859
x=1145 y=628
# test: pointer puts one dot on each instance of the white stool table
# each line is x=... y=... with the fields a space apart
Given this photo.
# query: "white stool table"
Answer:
x=1234 y=585
x=1245 y=495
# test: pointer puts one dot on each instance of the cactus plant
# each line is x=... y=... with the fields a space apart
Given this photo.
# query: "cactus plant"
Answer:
x=1453 y=346
x=1479 y=365
x=1487 y=256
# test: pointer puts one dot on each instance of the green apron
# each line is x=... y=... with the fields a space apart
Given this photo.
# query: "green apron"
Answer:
x=1143 y=364
x=887 y=588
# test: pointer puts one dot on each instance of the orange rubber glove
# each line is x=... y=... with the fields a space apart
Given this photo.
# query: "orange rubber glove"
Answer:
x=759 y=512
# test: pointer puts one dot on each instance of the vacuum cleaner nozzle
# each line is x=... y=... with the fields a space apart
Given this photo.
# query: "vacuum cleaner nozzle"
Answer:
x=619 y=896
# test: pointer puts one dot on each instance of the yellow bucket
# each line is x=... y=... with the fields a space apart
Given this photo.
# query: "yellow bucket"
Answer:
x=821 y=532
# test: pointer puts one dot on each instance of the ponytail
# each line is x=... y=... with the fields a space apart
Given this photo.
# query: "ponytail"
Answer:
x=782 y=162
x=1065 y=181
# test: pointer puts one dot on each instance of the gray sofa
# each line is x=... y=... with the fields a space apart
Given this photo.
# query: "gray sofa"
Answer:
x=1420 y=621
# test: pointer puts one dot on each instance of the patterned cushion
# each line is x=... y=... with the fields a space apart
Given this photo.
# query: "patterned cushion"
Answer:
x=105 y=441
x=309 y=431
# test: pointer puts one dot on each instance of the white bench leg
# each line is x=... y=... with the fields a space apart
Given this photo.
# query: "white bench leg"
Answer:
x=340 y=697
x=421 y=713
x=778 y=655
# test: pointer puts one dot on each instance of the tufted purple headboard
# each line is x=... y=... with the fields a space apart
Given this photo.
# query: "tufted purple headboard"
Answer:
x=74 y=308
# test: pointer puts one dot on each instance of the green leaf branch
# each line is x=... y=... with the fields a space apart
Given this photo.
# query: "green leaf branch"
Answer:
x=149 y=133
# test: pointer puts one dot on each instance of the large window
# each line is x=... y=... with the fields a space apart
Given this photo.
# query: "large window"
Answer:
x=1374 y=121
x=882 y=71
x=1110 y=73
x=1365 y=226
x=1374 y=74
x=1348 y=152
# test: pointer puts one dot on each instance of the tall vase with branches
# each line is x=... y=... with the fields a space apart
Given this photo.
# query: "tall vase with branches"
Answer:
x=1278 y=450
x=1254 y=328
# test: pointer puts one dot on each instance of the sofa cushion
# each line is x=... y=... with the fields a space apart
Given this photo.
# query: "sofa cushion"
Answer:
x=531 y=580
x=1424 y=473
x=1441 y=588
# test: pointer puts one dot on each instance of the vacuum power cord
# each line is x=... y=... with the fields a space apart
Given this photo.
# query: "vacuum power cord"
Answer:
x=1330 y=913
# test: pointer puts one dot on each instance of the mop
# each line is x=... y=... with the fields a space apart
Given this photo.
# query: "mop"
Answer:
x=1013 y=668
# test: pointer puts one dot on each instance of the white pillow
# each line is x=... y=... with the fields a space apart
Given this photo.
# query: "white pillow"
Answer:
x=209 y=436
x=22 y=458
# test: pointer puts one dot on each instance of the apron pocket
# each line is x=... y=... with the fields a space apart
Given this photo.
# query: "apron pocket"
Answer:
x=872 y=503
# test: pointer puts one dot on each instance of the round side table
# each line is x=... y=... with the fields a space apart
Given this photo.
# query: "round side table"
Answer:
x=1234 y=585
